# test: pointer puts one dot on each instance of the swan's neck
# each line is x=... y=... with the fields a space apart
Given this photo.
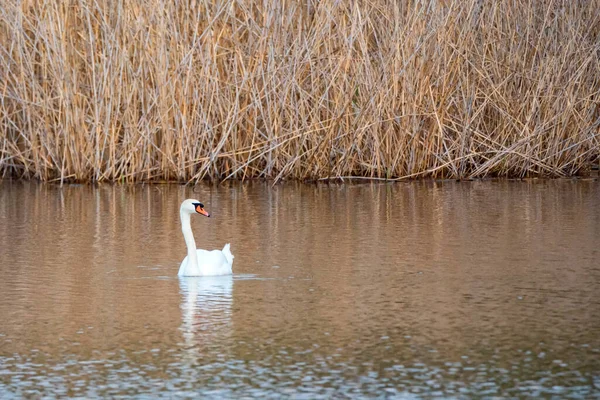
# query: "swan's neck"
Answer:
x=186 y=228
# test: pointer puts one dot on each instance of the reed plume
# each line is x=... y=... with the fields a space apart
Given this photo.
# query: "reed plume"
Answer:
x=154 y=90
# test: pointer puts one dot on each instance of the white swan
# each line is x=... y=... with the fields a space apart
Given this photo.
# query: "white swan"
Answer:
x=200 y=262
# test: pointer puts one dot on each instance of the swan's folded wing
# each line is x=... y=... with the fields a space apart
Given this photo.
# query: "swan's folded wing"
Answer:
x=227 y=253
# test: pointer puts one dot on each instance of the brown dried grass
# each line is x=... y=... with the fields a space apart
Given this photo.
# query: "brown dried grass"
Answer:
x=151 y=90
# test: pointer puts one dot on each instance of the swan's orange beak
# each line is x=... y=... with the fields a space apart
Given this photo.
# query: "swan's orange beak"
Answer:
x=202 y=211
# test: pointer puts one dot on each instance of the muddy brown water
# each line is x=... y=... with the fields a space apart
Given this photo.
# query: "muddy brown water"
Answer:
x=412 y=290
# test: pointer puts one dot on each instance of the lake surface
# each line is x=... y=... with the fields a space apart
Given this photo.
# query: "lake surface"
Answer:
x=409 y=290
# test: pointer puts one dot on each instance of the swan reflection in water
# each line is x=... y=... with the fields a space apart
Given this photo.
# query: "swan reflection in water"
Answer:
x=206 y=305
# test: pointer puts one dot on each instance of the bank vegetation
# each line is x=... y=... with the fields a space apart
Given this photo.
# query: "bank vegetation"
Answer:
x=185 y=90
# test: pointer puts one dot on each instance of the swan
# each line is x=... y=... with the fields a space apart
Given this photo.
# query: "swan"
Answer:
x=200 y=262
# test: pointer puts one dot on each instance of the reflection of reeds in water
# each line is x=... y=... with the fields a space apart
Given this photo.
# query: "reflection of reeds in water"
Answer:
x=206 y=311
x=128 y=91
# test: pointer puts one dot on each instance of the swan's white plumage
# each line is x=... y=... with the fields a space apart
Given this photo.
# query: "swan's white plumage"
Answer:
x=201 y=262
x=210 y=263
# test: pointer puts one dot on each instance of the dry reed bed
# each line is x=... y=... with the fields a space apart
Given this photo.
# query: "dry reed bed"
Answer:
x=124 y=90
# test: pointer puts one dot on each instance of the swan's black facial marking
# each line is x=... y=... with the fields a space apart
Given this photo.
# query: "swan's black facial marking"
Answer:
x=198 y=204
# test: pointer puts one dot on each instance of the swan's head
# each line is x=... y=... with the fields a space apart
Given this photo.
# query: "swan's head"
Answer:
x=192 y=206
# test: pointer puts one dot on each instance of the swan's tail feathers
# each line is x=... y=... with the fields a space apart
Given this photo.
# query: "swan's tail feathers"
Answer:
x=227 y=253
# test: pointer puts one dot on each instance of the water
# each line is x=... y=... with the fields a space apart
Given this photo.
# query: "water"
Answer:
x=417 y=290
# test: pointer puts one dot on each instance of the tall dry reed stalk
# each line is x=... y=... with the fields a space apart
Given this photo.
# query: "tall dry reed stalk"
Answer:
x=130 y=90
